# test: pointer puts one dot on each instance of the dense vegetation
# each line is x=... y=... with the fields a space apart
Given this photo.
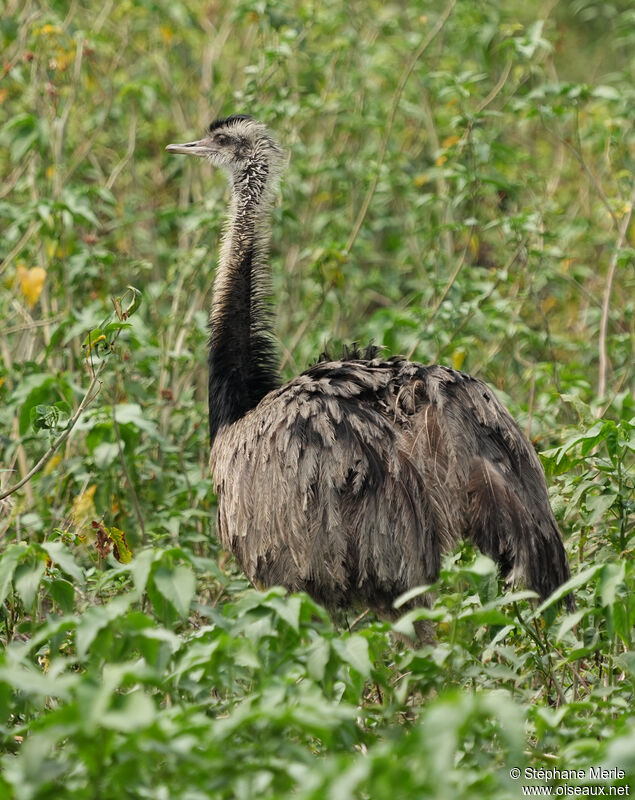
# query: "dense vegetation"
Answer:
x=460 y=189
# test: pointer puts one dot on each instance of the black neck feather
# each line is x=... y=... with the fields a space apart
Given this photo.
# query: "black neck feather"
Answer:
x=242 y=354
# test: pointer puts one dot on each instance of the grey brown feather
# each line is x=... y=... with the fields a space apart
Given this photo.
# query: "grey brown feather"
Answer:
x=350 y=481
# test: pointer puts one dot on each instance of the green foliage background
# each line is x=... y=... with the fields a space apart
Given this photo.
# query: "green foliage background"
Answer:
x=460 y=189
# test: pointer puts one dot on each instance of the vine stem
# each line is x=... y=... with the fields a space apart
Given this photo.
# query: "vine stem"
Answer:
x=94 y=387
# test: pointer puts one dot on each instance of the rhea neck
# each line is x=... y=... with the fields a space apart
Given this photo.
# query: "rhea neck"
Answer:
x=242 y=354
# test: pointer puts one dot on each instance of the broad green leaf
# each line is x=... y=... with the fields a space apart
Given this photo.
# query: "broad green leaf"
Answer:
x=405 y=624
x=63 y=593
x=50 y=417
x=552 y=717
x=30 y=681
x=627 y=661
x=177 y=585
x=573 y=583
x=196 y=654
x=26 y=579
x=59 y=554
x=317 y=658
x=570 y=621
x=288 y=609
x=487 y=616
x=46 y=392
x=623 y=622
x=105 y=454
x=599 y=505
x=411 y=594
x=8 y=561
x=135 y=712
x=354 y=651
x=96 y=618
x=114 y=327
x=140 y=568
x=132 y=414
x=611 y=579
x=482 y=565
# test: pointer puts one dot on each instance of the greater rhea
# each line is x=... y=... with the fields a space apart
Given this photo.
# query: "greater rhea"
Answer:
x=350 y=481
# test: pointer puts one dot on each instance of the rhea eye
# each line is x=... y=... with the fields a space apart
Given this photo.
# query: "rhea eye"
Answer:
x=222 y=139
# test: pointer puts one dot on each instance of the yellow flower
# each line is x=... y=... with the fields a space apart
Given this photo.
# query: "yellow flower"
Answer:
x=84 y=507
x=458 y=357
x=31 y=283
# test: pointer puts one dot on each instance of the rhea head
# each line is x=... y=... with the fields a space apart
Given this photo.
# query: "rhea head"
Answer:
x=240 y=145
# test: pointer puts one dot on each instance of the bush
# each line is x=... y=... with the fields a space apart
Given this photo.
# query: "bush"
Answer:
x=467 y=202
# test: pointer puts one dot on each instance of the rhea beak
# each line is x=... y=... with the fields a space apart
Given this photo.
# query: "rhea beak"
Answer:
x=200 y=148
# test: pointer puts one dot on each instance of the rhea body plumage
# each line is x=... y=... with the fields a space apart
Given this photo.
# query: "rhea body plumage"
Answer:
x=350 y=481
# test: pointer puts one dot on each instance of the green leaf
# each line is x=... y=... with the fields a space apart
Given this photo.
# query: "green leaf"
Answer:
x=606 y=92
x=354 y=651
x=573 y=583
x=132 y=414
x=405 y=624
x=411 y=594
x=177 y=585
x=487 y=616
x=26 y=580
x=131 y=301
x=105 y=454
x=317 y=658
x=140 y=568
x=63 y=593
x=8 y=561
x=482 y=566
x=50 y=417
x=611 y=579
x=59 y=554
x=552 y=717
x=46 y=392
x=136 y=711
x=570 y=621
x=24 y=133
x=94 y=341
x=115 y=327
x=599 y=505
x=288 y=609
x=623 y=623
x=94 y=619
x=30 y=681
x=627 y=662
